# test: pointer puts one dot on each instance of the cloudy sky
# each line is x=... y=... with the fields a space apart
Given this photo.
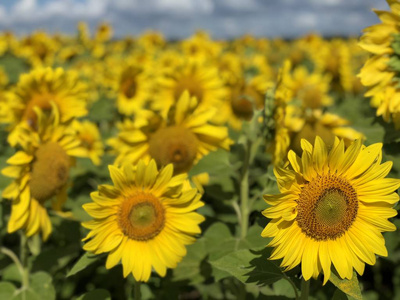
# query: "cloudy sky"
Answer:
x=180 y=18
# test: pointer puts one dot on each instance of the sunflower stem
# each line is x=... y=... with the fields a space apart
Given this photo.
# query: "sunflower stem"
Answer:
x=137 y=293
x=14 y=258
x=244 y=191
x=24 y=254
x=305 y=289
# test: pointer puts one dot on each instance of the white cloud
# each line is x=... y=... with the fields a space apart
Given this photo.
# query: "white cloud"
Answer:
x=178 y=18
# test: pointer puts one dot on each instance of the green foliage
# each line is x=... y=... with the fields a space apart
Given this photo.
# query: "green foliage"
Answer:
x=85 y=260
x=350 y=287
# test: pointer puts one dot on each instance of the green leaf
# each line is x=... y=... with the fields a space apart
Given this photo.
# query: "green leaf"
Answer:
x=248 y=267
x=99 y=294
x=190 y=268
x=7 y=290
x=350 y=287
x=40 y=288
x=41 y=284
x=102 y=110
x=85 y=260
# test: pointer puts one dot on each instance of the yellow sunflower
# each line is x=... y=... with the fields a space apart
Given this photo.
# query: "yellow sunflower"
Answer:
x=331 y=210
x=311 y=88
x=381 y=71
x=133 y=87
x=89 y=136
x=201 y=81
x=144 y=220
x=42 y=87
x=244 y=98
x=40 y=171
x=326 y=126
x=181 y=139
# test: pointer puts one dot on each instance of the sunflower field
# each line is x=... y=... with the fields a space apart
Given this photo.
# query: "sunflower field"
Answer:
x=253 y=168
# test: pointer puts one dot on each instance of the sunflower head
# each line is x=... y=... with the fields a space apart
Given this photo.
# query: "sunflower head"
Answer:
x=43 y=87
x=332 y=207
x=40 y=172
x=144 y=220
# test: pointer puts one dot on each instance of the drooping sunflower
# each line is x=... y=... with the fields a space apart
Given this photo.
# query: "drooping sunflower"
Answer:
x=41 y=172
x=181 y=139
x=144 y=220
x=42 y=87
x=332 y=208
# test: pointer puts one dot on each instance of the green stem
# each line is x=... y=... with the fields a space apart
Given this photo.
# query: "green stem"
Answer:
x=244 y=192
x=14 y=258
x=305 y=289
x=23 y=257
x=137 y=293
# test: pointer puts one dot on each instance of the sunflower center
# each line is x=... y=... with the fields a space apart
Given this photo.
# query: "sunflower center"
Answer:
x=50 y=171
x=41 y=101
x=176 y=145
x=129 y=87
x=192 y=85
x=141 y=216
x=242 y=107
x=327 y=207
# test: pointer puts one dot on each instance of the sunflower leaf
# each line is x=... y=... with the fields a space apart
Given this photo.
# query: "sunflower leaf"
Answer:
x=85 y=260
x=249 y=267
x=350 y=287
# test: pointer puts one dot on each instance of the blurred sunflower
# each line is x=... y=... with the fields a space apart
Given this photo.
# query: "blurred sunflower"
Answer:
x=326 y=126
x=181 y=139
x=200 y=80
x=42 y=87
x=40 y=171
x=332 y=208
x=311 y=89
x=134 y=89
x=244 y=98
x=381 y=71
x=144 y=220
x=89 y=136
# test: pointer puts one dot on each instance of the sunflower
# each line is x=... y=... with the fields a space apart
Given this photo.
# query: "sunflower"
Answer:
x=133 y=87
x=90 y=138
x=326 y=126
x=40 y=172
x=182 y=139
x=381 y=71
x=244 y=98
x=42 y=87
x=312 y=89
x=200 y=80
x=144 y=220
x=331 y=210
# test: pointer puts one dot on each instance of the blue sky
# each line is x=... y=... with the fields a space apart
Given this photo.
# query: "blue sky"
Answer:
x=180 y=18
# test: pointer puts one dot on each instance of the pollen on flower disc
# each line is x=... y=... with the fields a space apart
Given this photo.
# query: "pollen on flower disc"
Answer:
x=141 y=216
x=327 y=206
x=50 y=171
x=176 y=145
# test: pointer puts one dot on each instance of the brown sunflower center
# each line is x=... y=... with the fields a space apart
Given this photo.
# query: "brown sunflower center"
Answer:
x=327 y=207
x=242 y=107
x=50 y=171
x=176 y=145
x=141 y=216
x=192 y=85
x=129 y=87
x=41 y=101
